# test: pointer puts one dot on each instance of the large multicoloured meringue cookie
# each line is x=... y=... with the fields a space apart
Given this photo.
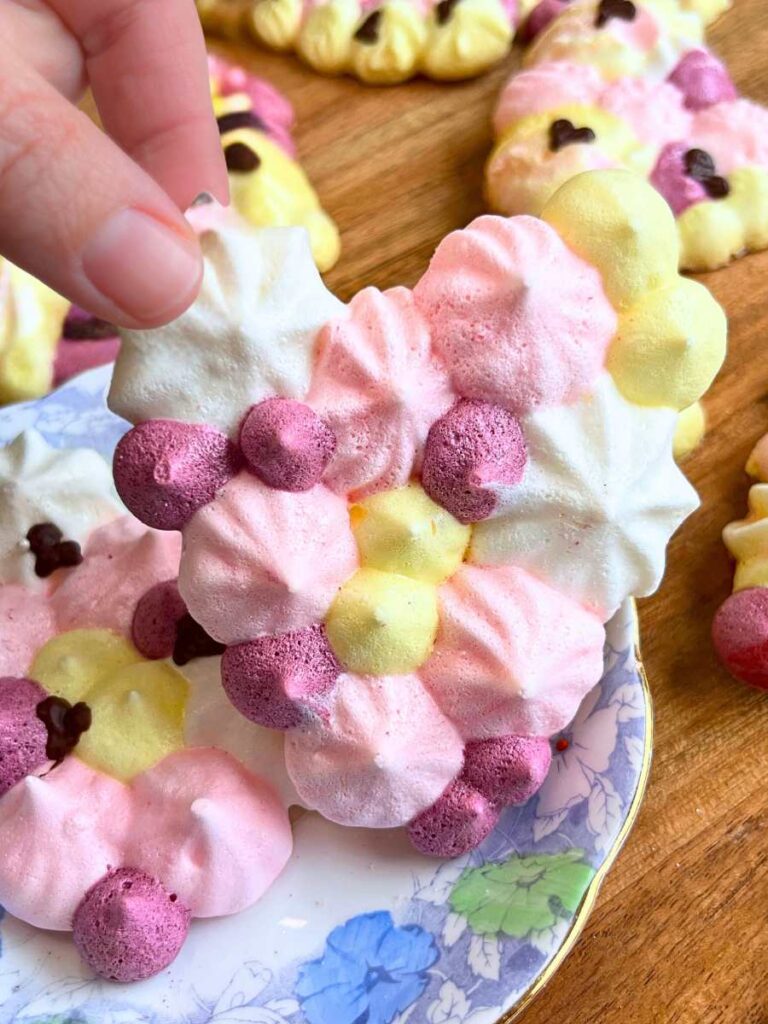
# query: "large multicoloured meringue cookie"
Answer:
x=379 y=500
x=380 y=42
x=634 y=92
x=130 y=801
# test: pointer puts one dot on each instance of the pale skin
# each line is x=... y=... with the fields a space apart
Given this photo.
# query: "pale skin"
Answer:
x=98 y=215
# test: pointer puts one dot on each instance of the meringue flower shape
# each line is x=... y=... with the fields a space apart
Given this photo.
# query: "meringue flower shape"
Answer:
x=249 y=336
x=379 y=389
x=207 y=829
x=487 y=296
x=512 y=655
x=600 y=499
x=258 y=560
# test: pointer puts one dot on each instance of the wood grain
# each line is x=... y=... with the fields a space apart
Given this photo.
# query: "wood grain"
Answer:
x=680 y=932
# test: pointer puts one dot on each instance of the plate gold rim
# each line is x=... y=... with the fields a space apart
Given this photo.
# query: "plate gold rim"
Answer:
x=589 y=899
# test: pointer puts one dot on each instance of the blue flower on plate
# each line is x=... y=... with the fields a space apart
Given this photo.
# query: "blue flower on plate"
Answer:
x=370 y=971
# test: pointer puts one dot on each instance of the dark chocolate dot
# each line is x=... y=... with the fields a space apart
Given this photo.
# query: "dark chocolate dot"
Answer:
x=91 y=329
x=64 y=724
x=368 y=31
x=444 y=10
x=43 y=536
x=192 y=641
x=241 y=158
x=239 y=119
x=699 y=165
x=608 y=9
x=716 y=187
x=563 y=133
x=50 y=551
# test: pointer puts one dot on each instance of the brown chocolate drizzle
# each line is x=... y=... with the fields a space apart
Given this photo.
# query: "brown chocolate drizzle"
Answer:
x=563 y=133
x=608 y=9
x=51 y=551
x=368 y=31
x=241 y=158
x=92 y=329
x=65 y=724
x=700 y=166
x=192 y=641
x=240 y=119
x=444 y=10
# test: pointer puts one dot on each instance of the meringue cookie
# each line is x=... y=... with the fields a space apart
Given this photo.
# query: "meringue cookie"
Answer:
x=385 y=753
x=747 y=541
x=386 y=47
x=544 y=87
x=250 y=335
x=325 y=39
x=70 y=488
x=258 y=561
x=689 y=431
x=464 y=37
x=600 y=499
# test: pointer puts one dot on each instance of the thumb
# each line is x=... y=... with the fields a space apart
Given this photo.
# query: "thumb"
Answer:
x=79 y=214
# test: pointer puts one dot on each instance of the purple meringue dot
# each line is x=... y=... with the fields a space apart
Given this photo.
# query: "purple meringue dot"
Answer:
x=165 y=470
x=128 y=927
x=703 y=80
x=286 y=444
x=156 y=619
x=507 y=770
x=23 y=736
x=276 y=680
x=455 y=824
x=670 y=177
x=472 y=448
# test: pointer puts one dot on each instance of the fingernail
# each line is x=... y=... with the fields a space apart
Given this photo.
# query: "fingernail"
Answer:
x=143 y=266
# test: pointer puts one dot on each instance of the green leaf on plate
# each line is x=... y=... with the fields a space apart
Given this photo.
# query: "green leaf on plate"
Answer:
x=522 y=894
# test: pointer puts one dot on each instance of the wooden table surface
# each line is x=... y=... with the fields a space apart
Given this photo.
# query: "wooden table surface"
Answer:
x=680 y=931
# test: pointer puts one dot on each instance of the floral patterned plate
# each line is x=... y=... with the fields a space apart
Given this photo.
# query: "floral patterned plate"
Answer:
x=360 y=929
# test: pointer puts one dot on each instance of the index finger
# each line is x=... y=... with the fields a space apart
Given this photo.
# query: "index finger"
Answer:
x=147 y=66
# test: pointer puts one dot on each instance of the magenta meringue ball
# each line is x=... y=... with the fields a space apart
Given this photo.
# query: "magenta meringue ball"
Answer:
x=128 y=927
x=156 y=620
x=507 y=769
x=456 y=823
x=740 y=635
x=703 y=80
x=473 y=447
x=23 y=736
x=273 y=680
x=286 y=444
x=165 y=471
x=670 y=178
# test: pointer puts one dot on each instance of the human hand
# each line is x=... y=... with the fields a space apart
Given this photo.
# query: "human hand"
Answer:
x=97 y=216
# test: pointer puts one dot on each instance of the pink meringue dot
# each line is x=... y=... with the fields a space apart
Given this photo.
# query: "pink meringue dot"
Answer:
x=156 y=619
x=540 y=17
x=456 y=823
x=286 y=444
x=275 y=680
x=669 y=177
x=165 y=470
x=507 y=770
x=740 y=635
x=128 y=927
x=23 y=736
x=473 y=447
x=703 y=80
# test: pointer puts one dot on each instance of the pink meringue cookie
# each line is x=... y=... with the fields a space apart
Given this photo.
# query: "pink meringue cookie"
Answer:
x=23 y=736
x=258 y=561
x=735 y=134
x=703 y=80
x=61 y=834
x=165 y=470
x=384 y=754
x=286 y=444
x=208 y=830
x=473 y=447
x=517 y=318
x=512 y=655
x=122 y=560
x=670 y=178
x=456 y=823
x=507 y=770
x=378 y=387
x=26 y=623
x=740 y=635
x=545 y=87
x=654 y=110
x=128 y=927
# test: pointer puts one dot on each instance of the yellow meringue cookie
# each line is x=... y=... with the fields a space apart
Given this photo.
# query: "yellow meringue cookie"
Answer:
x=690 y=429
x=404 y=531
x=757 y=463
x=669 y=346
x=523 y=171
x=71 y=663
x=383 y=624
x=464 y=37
x=712 y=232
x=619 y=223
x=325 y=39
x=275 y=192
x=276 y=22
x=388 y=44
x=31 y=319
x=235 y=103
x=747 y=541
